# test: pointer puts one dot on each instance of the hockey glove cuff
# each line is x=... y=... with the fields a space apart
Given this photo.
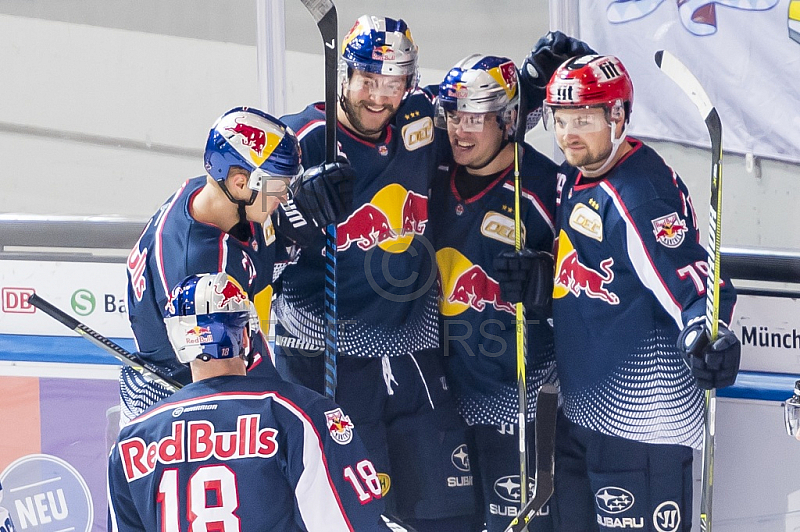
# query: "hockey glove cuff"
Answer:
x=714 y=365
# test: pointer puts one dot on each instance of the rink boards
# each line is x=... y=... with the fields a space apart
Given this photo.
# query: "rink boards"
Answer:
x=60 y=404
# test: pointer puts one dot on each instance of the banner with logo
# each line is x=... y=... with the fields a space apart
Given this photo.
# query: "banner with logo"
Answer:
x=746 y=54
x=94 y=293
x=56 y=436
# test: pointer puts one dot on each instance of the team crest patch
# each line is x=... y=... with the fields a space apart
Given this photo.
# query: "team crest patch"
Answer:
x=670 y=230
x=339 y=426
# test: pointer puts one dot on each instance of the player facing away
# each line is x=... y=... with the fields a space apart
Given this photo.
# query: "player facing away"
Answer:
x=390 y=378
x=628 y=308
x=234 y=452
x=218 y=222
x=6 y=524
x=473 y=223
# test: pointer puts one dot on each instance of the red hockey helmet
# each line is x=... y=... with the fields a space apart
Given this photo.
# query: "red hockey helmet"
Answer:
x=591 y=81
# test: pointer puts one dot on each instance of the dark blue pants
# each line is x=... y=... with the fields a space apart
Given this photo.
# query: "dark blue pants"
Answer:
x=605 y=483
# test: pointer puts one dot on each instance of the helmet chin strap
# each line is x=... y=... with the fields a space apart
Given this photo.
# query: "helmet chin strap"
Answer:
x=615 y=144
x=241 y=204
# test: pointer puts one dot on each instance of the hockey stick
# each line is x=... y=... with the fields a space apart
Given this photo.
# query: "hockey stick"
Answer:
x=546 y=408
x=681 y=75
x=521 y=328
x=122 y=354
x=324 y=14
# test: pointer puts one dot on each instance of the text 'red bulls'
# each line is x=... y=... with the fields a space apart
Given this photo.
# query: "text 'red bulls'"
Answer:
x=196 y=443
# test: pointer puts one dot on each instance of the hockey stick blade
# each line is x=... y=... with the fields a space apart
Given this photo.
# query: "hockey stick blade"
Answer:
x=121 y=354
x=546 y=408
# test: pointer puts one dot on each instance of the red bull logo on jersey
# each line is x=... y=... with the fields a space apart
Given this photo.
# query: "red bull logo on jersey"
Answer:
x=389 y=221
x=231 y=292
x=670 y=230
x=339 y=426
x=467 y=286
x=579 y=278
x=197 y=441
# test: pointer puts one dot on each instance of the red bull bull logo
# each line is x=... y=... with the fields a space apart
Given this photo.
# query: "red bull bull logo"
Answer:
x=252 y=137
x=475 y=288
x=415 y=214
x=198 y=335
x=579 y=278
x=230 y=292
x=367 y=227
x=383 y=53
x=339 y=426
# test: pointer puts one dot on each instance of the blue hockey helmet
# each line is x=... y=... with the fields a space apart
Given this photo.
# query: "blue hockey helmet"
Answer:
x=479 y=84
x=206 y=316
x=381 y=45
x=255 y=141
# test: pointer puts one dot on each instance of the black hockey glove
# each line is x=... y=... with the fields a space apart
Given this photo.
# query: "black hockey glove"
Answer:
x=713 y=365
x=526 y=276
x=546 y=56
x=324 y=194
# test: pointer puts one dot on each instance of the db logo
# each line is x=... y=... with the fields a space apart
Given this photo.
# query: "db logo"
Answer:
x=15 y=300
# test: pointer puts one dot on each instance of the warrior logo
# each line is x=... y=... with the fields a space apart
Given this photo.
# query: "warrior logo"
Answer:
x=667 y=517
x=339 y=426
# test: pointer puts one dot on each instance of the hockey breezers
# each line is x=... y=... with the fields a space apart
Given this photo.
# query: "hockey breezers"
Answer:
x=123 y=355
x=681 y=75
x=546 y=408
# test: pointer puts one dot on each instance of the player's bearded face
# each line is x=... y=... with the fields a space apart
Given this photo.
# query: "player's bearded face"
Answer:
x=371 y=100
x=584 y=137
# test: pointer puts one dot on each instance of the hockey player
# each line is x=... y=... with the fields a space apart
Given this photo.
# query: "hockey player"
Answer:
x=230 y=452
x=630 y=282
x=389 y=371
x=220 y=221
x=472 y=224
x=6 y=524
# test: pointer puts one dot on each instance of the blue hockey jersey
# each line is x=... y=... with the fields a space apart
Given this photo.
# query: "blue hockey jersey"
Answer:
x=243 y=453
x=630 y=273
x=173 y=246
x=478 y=330
x=386 y=276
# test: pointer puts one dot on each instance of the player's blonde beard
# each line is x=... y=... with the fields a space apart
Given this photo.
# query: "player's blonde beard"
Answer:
x=610 y=159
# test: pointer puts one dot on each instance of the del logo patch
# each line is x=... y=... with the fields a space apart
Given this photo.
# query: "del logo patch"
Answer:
x=670 y=230
x=418 y=133
x=339 y=426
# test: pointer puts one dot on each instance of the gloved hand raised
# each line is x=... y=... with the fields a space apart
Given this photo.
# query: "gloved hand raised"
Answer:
x=547 y=55
x=526 y=276
x=324 y=193
x=714 y=365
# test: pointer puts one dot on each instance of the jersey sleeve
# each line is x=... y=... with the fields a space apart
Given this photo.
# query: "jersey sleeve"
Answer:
x=336 y=485
x=122 y=513
x=661 y=241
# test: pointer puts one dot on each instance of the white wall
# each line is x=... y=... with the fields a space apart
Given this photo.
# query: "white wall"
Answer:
x=96 y=120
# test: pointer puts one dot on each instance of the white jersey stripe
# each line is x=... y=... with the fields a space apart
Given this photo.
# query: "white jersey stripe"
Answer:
x=309 y=128
x=159 y=254
x=537 y=204
x=641 y=260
